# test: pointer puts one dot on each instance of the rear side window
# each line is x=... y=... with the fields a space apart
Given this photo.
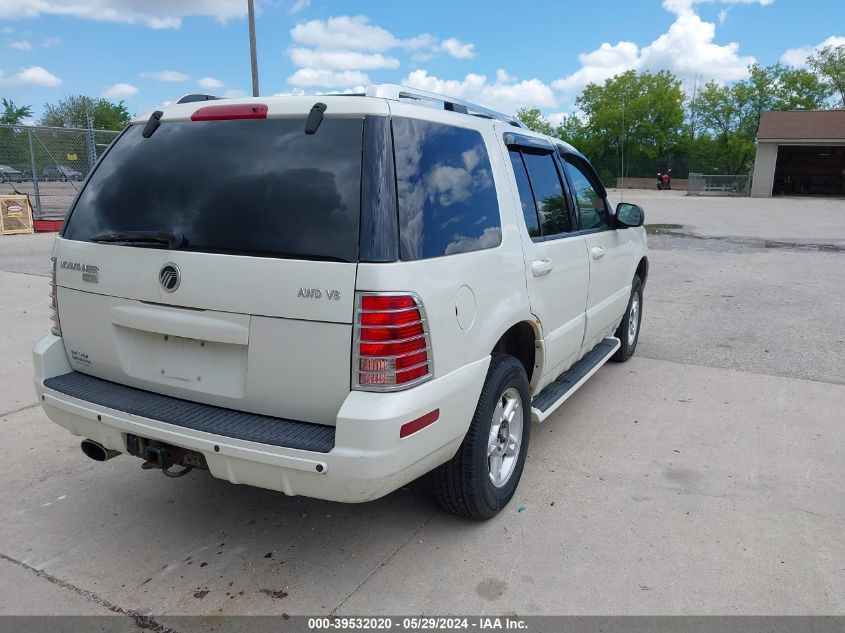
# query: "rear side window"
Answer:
x=526 y=198
x=444 y=181
x=548 y=193
x=261 y=188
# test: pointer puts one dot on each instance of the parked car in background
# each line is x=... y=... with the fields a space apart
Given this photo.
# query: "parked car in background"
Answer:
x=61 y=172
x=10 y=174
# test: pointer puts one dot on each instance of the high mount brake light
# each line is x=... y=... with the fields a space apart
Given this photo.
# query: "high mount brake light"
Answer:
x=229 y=112
x=392 y=346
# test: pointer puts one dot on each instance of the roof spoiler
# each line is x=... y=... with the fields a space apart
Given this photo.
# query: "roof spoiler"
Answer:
x=193 y=97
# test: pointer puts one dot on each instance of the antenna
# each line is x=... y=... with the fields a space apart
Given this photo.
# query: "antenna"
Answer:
x=622 y=193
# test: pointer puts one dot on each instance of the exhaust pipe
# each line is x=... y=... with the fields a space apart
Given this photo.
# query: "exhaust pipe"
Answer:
x=97 y=451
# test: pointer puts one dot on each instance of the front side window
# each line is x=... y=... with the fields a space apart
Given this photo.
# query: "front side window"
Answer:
x=591 y=206
x=548 y=193
x=447 y=198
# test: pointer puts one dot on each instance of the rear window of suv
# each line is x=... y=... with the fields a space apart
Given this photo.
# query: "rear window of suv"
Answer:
x=261 y=188
x=444 y=182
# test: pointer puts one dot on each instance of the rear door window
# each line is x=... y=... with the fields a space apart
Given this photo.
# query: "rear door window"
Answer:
x=251 y=187
x=526 y=197
x=447 y=198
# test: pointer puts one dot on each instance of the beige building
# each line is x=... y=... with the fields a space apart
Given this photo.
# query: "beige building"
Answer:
x=800 y=152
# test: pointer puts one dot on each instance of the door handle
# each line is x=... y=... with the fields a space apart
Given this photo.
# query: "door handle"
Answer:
x=596 y=252
x=540 y=267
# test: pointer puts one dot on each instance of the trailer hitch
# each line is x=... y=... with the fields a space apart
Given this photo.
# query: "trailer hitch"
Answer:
x=158 y=457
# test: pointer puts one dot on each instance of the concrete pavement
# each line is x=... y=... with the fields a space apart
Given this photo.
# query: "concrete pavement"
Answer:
x=705 y=476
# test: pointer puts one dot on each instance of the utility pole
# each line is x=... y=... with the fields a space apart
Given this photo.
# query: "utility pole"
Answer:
x=252 y=52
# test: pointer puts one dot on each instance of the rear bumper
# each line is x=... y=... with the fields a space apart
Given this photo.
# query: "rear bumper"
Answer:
x=368 y=460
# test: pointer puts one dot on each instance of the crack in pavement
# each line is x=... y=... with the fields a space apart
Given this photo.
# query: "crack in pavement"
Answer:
x=383 y=563
x=757 y=371
x=141 y=621
x=19 y=409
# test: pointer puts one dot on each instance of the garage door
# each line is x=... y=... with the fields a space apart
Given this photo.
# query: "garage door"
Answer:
x=810 y=170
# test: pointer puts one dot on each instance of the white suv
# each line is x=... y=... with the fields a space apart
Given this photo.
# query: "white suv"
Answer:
x=332 y=299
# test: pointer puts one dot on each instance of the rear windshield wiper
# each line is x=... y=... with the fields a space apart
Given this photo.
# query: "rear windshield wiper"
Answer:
x=142 y=238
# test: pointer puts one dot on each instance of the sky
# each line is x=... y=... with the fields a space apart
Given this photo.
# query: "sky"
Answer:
x=504 y=55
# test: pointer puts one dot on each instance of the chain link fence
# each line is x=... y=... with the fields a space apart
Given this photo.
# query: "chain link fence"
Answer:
x=719 y=185
x=48 y=164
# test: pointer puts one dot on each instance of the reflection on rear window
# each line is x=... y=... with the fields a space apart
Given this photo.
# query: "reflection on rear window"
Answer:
x=447 y=199
x=260 y=187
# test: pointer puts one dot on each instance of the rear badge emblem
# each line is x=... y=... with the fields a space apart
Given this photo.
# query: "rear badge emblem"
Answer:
x=169 y=277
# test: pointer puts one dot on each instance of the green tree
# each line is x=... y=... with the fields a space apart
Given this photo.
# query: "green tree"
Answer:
x=642 y=112
x=73 y=111
x=13 y=114
x=799 y=89
x=729 y=115
x=534 y=120
x=829 y=63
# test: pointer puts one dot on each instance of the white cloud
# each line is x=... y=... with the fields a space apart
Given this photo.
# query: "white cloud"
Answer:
x=32 y=76
x=687 y=49
x=798 y=56
x=340 y=60
x=604 y=62
x=21 y=45
x=318 y=77
x=50 y=42
x=209 y=82
x=337 y=52
x=556 y=118
x=506 y=93
x=120 y=91
x=166 y=75
x=491 y=237
x=299 y=5
x=423 y=40
x=457 y=49
x=685 y=7
x=157 y=14
x=354 y=33
x=233 y=93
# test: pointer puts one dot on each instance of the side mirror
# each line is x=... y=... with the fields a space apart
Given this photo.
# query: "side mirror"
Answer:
x=629 y=215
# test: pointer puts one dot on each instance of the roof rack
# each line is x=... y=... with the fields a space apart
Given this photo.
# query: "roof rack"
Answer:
x=191 y=98
x=397 y=92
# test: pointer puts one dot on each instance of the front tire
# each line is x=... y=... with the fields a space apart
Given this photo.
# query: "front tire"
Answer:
x=483 y=475
x=628 y=331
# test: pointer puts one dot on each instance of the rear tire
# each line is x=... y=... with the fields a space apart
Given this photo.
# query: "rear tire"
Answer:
x=628 y=331
x=483 y=475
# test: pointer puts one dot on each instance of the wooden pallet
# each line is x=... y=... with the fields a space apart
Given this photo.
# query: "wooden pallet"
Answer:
x=15 y=215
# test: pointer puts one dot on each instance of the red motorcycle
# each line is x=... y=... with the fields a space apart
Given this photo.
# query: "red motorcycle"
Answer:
x=664 y=181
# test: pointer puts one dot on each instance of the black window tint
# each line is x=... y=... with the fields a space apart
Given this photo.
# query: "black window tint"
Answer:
x=548 y=192
x=526 y=198
x=591 y=206
x=254 y=187
x=444 y=181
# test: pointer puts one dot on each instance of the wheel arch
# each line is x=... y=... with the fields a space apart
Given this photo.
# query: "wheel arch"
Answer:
x=523 y=341
x=642 y=269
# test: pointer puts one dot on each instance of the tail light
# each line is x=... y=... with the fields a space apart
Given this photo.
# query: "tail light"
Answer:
x=54 y=303
x=392 y=346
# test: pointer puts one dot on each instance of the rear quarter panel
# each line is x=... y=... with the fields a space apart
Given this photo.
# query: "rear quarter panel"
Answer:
x=495 y=276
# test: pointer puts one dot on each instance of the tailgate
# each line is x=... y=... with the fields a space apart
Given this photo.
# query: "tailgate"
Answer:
x=251 y=308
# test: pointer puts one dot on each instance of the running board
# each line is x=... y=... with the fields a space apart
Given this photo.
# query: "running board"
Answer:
x=556 y=393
